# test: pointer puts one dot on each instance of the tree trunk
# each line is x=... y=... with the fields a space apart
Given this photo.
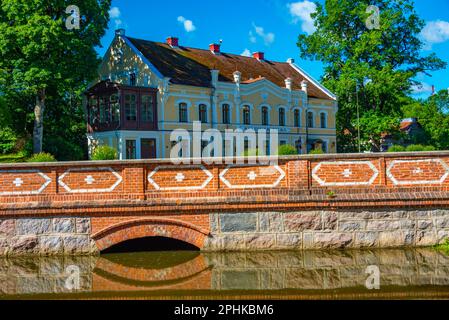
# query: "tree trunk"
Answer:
x=39 y=110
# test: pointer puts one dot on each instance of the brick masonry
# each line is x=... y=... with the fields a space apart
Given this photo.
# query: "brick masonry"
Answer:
x=299 y=202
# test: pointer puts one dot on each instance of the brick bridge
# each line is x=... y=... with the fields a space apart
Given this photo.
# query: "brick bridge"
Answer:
x=303 y=202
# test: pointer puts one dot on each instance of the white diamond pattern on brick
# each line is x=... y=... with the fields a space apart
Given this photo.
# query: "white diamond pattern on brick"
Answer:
x=418 y=170
x=347 y=173
x=180 y=177
x=252 y=176
x=18 y=182
x=118 y=177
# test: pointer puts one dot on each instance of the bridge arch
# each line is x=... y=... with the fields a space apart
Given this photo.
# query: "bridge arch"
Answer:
x=150 y=227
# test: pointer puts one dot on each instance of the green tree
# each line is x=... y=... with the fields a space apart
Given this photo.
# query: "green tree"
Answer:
x=40 y=57
x=433 y=115
x=370 y=67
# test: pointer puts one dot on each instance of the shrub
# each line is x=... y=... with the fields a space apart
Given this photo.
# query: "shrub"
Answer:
x=429 y=148
x=287 y=150
x=7 y=140
x=396 y=148
x=316 y=151
x=104 y=153
x=419 y=148
x=42 y=157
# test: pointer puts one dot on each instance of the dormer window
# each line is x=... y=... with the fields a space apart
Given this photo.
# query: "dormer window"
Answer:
x=132 y=79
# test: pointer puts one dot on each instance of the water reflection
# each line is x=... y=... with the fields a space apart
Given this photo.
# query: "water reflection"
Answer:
x=420 y=273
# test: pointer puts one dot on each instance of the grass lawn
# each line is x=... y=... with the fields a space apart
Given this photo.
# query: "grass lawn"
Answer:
x=12 y=158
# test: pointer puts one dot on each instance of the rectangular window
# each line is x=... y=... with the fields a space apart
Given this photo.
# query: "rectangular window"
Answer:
x=130 y=107
x=103 y=107
x=246 y=116
x=297 y=120
x=282 y=117
x=323 y=120
x=183 y=112
x=147 y=108
x=131 y=149
x=283 y=143
x=115 y=108
x=203 y=113
x=310 y=120
x=93 y=110
x=265 y=116
x=226 y=117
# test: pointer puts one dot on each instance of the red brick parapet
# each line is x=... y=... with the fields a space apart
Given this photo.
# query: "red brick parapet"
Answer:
x=159 y=187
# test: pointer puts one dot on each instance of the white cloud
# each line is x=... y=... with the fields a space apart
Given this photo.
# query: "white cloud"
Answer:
x=188 y=24
x=115 y=15
x=246 y=53
x=422 y=88
x=252 y=38
x=301 y=11
x=114 y=12
x=268 y=37
x=435 y=32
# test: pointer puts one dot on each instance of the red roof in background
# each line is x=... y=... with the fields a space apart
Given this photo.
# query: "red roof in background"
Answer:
x=405 y=125
x=192 y=66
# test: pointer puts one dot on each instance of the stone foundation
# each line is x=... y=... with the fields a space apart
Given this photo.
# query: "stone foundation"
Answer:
x=326 y=230
x=46 y=236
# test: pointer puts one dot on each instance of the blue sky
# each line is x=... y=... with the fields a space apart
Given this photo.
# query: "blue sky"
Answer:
x=271 y=26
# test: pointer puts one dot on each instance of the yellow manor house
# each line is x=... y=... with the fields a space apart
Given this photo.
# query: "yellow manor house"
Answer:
x=147 y=89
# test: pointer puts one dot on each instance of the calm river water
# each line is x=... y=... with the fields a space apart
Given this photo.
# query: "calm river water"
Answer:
x=404 y=274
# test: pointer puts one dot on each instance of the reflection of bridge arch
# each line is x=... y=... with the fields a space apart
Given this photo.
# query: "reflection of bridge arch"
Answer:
x=150 y=227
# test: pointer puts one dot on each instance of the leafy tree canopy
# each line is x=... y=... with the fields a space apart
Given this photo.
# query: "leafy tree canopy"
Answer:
x=43 y=64
x=372 y=67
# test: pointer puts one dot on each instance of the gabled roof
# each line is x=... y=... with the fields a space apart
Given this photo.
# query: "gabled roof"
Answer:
x=191 y=66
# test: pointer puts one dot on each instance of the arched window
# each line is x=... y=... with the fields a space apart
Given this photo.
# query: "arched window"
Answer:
x=264 y=116
x=296 y=118
x=246 y=115
x=183 y=112
x=282 y=117
x=202 y=109
x=310 y=120
x=323 y=120
x=226 y=114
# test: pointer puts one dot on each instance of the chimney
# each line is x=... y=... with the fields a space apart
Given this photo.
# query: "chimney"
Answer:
x=304 y=85
x=259 y=55
x=288 y=83
x=173 y=42
x=237 y=77
x=214 y=48
x=120 y=32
